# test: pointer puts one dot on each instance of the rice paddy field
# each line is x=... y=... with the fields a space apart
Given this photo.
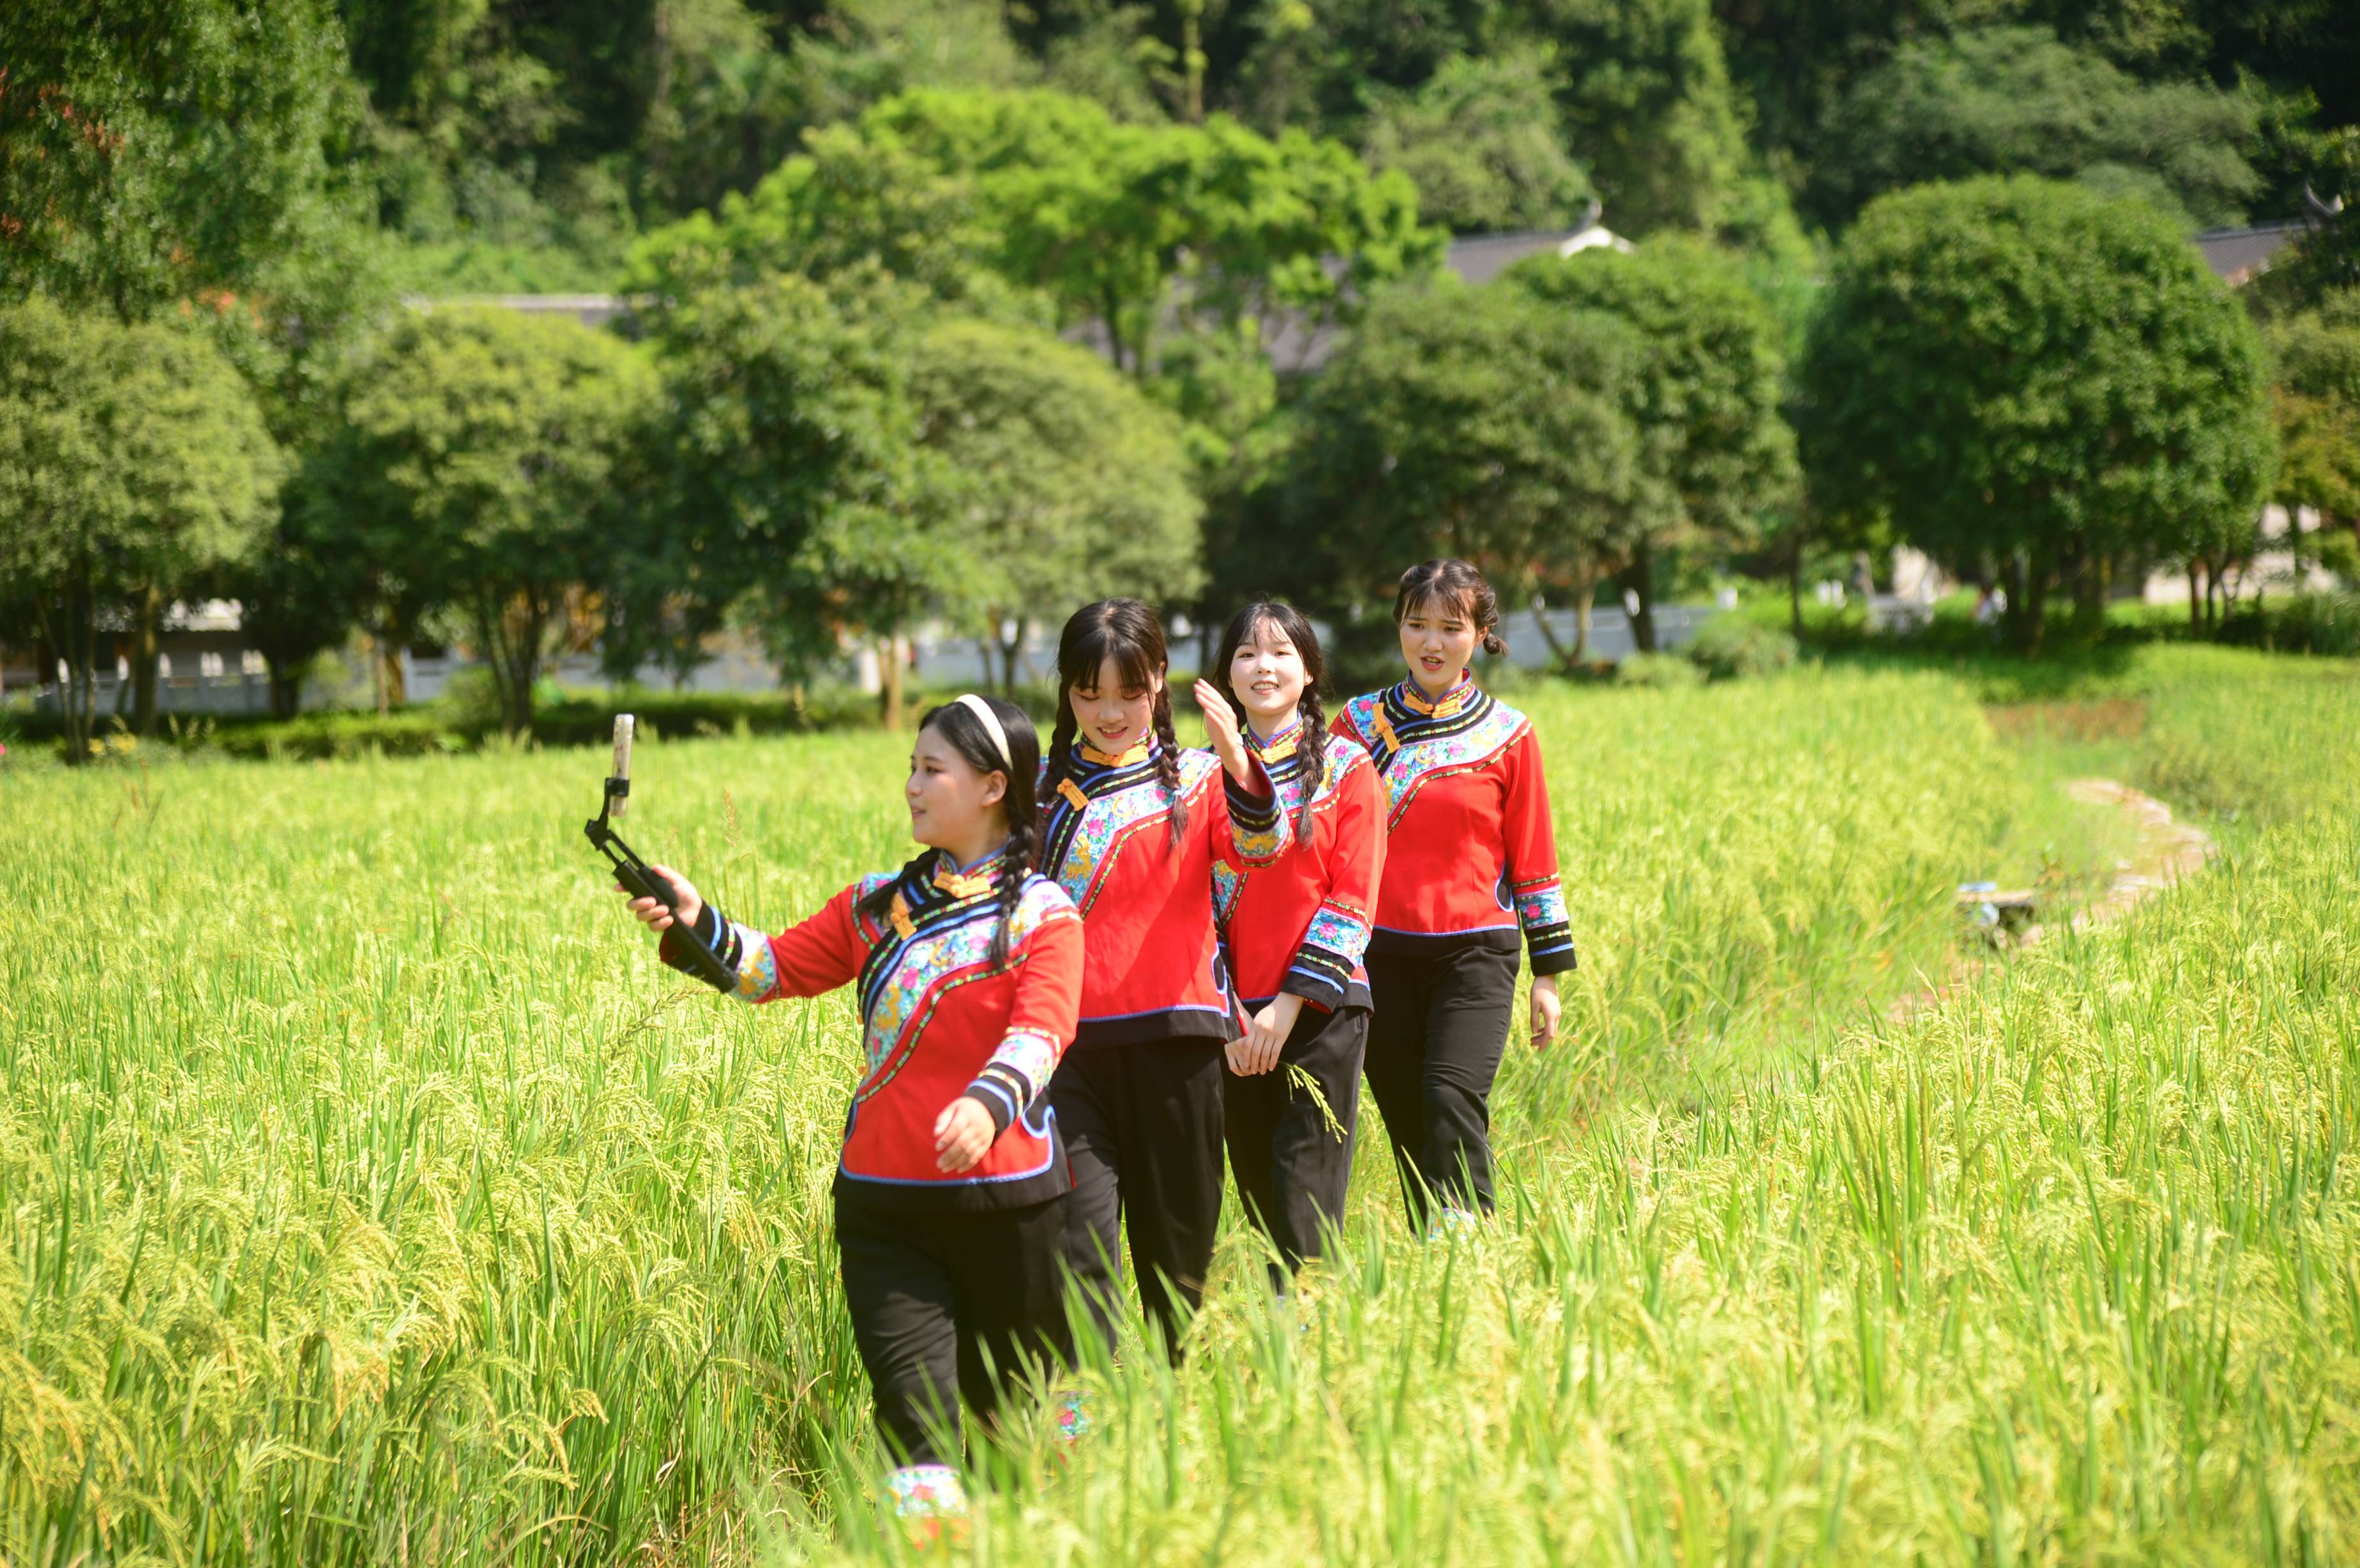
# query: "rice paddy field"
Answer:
x=370 y=1195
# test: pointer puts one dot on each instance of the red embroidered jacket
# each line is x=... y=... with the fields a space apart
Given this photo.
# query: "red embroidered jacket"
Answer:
x=1470 y=854
x=1154 y=969
x=938 y=1020
x=1301 y=925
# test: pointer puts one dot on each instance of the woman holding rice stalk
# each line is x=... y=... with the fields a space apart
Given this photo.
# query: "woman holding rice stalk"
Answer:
x=1295 y=933
x=952 y=1188
x=1469 y=859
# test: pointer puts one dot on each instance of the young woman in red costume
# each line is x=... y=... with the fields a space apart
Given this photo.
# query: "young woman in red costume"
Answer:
x=1471 y=860
x=1131 y=827
x=952 y=1188
x=1296 y=932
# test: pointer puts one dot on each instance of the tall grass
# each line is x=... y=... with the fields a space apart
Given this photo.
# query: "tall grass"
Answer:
x=372 y=1196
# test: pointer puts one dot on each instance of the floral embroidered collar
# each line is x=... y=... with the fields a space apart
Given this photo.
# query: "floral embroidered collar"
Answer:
x=1442 y=707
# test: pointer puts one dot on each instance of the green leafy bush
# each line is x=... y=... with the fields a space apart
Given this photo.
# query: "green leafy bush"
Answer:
x=1662 y=671
x=1732 y=646
x=2300 y=622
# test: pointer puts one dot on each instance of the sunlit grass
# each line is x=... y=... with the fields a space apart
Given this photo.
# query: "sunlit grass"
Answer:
x=371 y=1194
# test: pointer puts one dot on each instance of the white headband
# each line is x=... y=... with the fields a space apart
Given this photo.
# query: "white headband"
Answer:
x=982 y=710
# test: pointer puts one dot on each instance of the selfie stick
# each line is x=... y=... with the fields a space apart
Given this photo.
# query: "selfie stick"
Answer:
x=637 y=875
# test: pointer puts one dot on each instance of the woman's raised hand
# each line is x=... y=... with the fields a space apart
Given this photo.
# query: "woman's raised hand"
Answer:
x=659 y=919
x=1221 y=725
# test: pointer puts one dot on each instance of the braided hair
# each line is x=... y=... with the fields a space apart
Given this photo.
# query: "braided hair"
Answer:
x=1287 y=622
x=1450 y=583
x=1127 y=632
x=1019 y=802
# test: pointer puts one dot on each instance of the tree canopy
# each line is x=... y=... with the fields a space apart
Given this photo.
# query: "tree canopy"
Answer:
x=152 y=153
x=1482 y=142
x=2027 y=378
x=1049 y=194
x=1476 y=422
x=1706 y=393
x=1066 y=483
x=131 y=457
x=2316 y=400
x=474 y=458
x=2018 y=100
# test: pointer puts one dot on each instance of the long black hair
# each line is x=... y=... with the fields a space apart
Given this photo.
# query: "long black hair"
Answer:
x=1452 y=583
x=1288 y=622
x=1127 y=632
x=956 y=724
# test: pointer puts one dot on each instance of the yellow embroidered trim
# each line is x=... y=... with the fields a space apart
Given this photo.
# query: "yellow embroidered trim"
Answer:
x=1441 y=710
x=901 y=918
x=1073 y=793
x=1283 y=747
x=962 y=886
x=1138 y=753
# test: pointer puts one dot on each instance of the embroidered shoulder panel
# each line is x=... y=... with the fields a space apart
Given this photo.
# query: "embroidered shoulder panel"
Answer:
x=1119 y=803
x=948 y=945
x=1411 y=749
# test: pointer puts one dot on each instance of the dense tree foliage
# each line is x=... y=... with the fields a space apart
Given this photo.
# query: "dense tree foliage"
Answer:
x=795 y=487
x=1483 y=423
x=1049 y=194
x=132 y=458
x=1706 y=397
x=2017 y=100
x=154 y=151
x=1482 y=142
x=960 y=311
x=513 y=144
x=2316 y=403
x=2029 y=379
x=1066 y=483
x=476 y=457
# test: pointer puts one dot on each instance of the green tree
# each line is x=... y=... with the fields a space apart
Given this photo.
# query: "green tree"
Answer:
x=1706 y=396
x=475 y=458
x=164 y=155
x=1319 y=64
x=1479 y=422
x=795 y=487
x=131 y=459
x=1108 y=221
x=154 y=151
x=1066 y=483
x=2316 y=401
x=2015 y=100
x=1644 y=94
x=1480 y=141
x=2025 y=375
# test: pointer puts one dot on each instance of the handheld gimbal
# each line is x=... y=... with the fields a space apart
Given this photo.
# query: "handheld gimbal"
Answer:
x=640 y=880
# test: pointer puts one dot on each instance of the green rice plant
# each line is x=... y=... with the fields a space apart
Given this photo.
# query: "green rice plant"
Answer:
x=370 y=1195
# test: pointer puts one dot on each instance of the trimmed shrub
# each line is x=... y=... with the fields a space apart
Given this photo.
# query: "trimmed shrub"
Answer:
x=1732 y=646
x=1663 y=671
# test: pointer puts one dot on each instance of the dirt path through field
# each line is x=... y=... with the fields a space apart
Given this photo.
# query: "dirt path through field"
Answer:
x=2168 y=850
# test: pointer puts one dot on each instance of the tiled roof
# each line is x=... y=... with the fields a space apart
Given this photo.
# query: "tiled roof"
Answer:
x=2238 y=255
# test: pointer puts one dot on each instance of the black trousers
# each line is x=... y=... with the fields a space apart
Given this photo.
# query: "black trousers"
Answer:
x=943 y=1300
x=1434 y=1047
x=1291 y=1156
x=1142 y=1127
